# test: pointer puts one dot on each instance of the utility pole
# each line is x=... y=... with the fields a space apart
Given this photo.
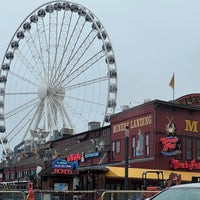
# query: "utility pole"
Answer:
x=126 y=157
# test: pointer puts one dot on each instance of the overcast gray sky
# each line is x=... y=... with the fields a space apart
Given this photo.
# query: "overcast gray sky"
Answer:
x=151 y=40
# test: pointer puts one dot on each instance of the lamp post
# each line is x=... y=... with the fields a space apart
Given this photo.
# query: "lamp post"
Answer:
x=126 y=157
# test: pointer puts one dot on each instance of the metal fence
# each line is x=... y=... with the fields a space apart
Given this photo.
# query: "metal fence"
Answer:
x=67 y=195
x=94 y=195
x=12 y=195
x=78 y=195
x=127 y=194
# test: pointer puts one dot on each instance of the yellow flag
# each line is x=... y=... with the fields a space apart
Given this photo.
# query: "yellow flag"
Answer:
x=171 y=83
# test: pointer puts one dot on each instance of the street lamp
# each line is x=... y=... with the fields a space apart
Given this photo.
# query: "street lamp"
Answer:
x=126 y=157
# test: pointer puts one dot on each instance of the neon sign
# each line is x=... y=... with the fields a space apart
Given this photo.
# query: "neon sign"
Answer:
x=62 y=171
x=62 y=166
x=74 y=157
x=171 y=144
x=191 y=165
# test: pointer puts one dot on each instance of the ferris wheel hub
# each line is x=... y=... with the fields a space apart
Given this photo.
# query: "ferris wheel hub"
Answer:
x=42 y=92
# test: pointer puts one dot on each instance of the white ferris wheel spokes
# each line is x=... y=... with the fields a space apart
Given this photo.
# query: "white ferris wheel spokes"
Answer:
x=58 y=73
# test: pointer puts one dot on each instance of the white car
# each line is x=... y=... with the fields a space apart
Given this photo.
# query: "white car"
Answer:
x=190 y=191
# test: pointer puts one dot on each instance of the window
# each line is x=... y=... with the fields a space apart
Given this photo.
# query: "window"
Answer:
x=118 y=147
x=147 y=146
x=106 y=131
x=189 y=148
x=133 y=146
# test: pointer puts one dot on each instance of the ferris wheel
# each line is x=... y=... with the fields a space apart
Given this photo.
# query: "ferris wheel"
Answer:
x=58 y=72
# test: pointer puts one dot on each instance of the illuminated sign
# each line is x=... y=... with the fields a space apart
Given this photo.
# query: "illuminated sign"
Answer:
x=63 y=171
x=74 y=157
x=92 y=155
x=62 y=166
x=171 y=144
x=191 y=165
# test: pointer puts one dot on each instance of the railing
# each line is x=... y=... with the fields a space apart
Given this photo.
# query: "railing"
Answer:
x=66 y=195
x=12 y=195
x=78 y=195
x=127 y=194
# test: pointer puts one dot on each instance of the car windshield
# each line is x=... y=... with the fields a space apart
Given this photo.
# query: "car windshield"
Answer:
x=179 y=194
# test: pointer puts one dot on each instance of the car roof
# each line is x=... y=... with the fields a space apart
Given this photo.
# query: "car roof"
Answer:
x=191 y=185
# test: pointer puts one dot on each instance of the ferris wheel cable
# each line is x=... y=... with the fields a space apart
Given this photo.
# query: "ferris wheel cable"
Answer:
x=27 y=63
x=89 y=60
x=4 y=148
x=58 y=41
x=78 y=72
x=30 y=42
x=20 y=108
x=21 y=93
x=84 y=100
x=56 y=49
x=89 y=82
x=39 y=37
x=61 y=107
x=24 y=119
x=49 y=52
x=51 y=116
x=36 y=57
x=23 y=79
x=53 y=101
x=38 y=114
x=76 y=54
x=75 y=35
x=67 y=24
x=65 y=116
x=78 y=34
x=69 y=43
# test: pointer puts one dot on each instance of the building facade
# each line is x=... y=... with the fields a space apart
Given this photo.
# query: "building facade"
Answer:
x=156 y=135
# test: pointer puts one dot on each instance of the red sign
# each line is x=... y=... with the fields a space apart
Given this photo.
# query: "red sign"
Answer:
x=191 y=165
x=169 y=143
x=63 y=171
x=74 y=157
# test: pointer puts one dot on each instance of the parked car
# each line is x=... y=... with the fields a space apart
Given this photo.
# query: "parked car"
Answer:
x=190 y=191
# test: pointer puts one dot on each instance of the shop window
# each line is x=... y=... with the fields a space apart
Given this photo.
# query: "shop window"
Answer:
x=189 y=148
x=147 y=146
x=118 y=146
x=113 y=149
x=133 y=146
x=106 y=131
x=198 y=149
